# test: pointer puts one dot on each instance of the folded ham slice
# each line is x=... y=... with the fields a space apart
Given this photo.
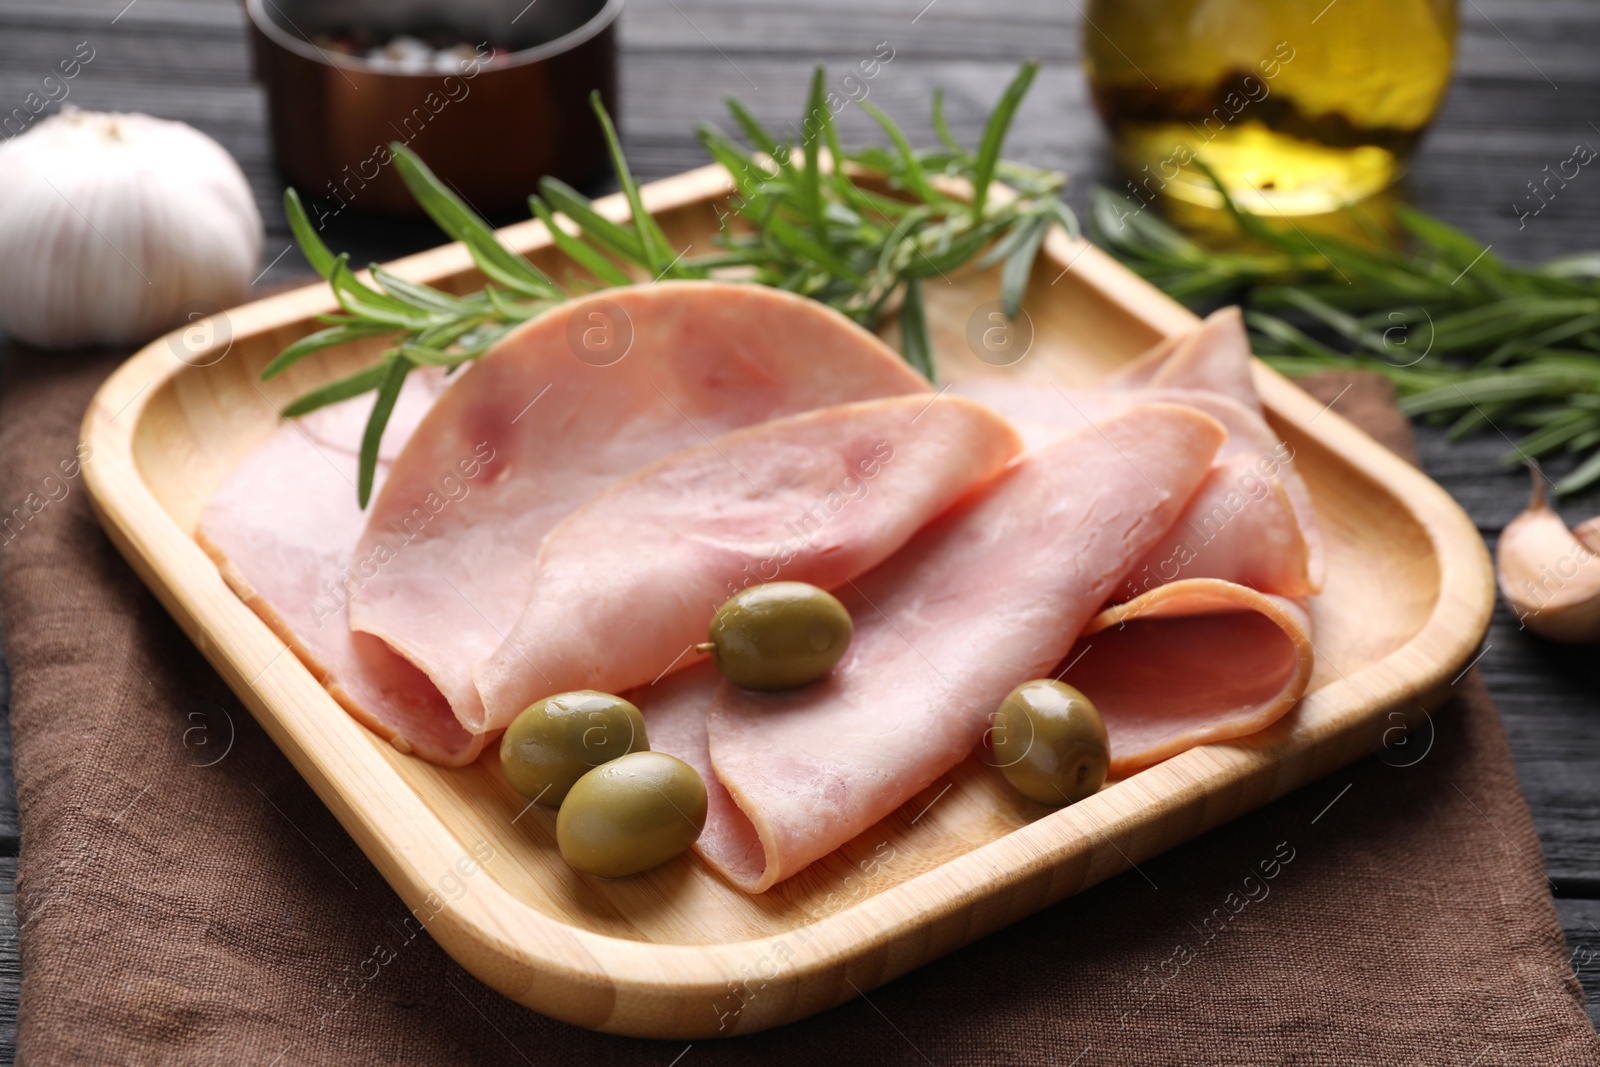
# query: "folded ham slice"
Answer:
x=1213 y=357
x=1238 y=526
x=575 y=399
x=1046 y=413
x=820 y=497
x=1196 y=661
x=282 y=528
x=989 y=595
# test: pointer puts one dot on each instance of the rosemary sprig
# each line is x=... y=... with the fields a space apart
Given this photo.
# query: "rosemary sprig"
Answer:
x=854 y=229
x=1466 y=338
x=428 y=327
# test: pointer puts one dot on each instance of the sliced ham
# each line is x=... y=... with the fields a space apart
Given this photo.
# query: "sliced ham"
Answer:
x=1213 y=357
x=1046 y=413
x=991 y=594
x=1196 y=661
x=674 y=710
x=1140 y=371
x=281 y=530
x=338 y=427
x=628 y=583
x=1240 y=527
x=575 y=399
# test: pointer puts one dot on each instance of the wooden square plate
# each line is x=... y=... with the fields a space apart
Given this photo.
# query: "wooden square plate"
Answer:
x=676 y=952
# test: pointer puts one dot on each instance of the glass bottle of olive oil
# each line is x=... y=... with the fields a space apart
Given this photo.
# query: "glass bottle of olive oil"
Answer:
x=1298 y=106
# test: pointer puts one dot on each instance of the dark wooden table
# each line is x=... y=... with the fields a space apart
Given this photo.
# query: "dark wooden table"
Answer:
x=1527 y=89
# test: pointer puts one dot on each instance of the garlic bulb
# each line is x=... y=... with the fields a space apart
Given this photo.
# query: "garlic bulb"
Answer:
x=1550 y=575
x=114 y=228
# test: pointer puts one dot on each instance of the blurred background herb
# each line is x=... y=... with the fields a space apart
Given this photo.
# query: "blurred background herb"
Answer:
x=1467 y=339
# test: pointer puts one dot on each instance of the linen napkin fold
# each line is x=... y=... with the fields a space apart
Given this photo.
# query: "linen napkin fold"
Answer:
x=184 y=898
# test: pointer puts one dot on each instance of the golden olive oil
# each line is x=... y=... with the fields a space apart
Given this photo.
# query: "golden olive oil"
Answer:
x=1297 y=107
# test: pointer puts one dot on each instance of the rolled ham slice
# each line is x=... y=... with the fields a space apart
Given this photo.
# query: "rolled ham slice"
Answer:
x=991 y=594
x=1192 y=662
x=282 y=529
x=627 y=584
x=583 y=395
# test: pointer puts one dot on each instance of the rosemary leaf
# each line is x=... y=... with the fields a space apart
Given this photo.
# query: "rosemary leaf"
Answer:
x=1583 y=476
x=388 y=392
x=818 y=115
x=909 y=169
x=1009 y=243
x=585 y=256
x=658 y=253
x=446 y=333
x=914 y=330
x=994 y=135
x=463 y=224
x=369 y=304
x=511 y=311
x=362 y=381
x=329 y=338
x=1581 y=265
x=423 y=355
x=1564 y=428
x=1489 y=388
x=311 y=245
x=759 y=135
x=616 y=238
x=1336 y=320
x=424 y=295
x=942 y=129
x=1019 y=263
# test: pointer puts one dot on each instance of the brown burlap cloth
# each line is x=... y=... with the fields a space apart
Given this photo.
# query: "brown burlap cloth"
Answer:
x=177 y=913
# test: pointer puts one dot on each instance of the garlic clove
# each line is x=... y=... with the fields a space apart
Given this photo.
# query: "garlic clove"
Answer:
x=1588 y=532
x=117 y=227
x=1550 y=575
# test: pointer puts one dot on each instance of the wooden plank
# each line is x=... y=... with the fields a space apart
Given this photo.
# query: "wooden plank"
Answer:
x=1580 y=921
x=8 y=785
x=1545 y=692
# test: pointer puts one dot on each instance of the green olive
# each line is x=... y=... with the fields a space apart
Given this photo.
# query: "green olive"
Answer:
x=558 y=740
x=1050 y=743
x=778 y=636
x=631 y=814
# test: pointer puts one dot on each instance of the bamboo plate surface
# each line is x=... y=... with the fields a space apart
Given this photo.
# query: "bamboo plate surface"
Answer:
x=677 y=953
